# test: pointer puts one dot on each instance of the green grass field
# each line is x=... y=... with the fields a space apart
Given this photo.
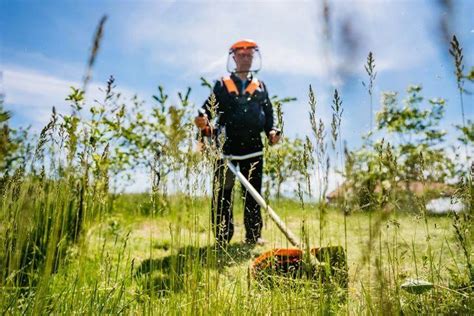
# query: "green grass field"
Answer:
x=130 y=263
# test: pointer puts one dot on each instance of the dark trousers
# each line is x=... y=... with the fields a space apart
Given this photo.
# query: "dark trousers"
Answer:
x=223 y=184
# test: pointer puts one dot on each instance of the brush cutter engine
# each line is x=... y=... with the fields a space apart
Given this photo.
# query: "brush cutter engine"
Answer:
x=326 y=264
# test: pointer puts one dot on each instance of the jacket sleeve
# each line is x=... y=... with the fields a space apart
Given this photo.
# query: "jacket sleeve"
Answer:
x=270 y=115
x=208 y=104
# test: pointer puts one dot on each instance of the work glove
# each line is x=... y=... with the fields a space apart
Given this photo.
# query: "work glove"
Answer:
x=274 y=136
x=201 y=121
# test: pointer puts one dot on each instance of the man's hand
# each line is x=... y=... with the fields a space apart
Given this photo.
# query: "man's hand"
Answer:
x=274 y=137
x=201 y=121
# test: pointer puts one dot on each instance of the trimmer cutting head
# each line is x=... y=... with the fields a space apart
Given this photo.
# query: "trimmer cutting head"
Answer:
x=328 y=264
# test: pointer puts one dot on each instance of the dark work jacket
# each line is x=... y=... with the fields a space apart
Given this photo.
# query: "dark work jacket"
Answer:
x=243 y=117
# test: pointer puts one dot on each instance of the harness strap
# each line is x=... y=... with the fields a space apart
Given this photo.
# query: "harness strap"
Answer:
x=253 y=85
x=230 y=85
x=232 y=88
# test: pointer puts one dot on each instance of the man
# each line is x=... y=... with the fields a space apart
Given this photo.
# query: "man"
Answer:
x=244 y=111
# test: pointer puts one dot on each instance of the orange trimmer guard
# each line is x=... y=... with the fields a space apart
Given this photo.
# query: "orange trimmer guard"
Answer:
x=330 y=264
x=281 y=261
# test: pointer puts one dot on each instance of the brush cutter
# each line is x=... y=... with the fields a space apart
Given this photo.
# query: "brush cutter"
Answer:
x=325 y=263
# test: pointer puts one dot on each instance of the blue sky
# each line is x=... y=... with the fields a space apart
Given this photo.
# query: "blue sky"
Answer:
x=45 y=44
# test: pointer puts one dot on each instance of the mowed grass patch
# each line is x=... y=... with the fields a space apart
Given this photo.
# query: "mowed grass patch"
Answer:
x=168 y=263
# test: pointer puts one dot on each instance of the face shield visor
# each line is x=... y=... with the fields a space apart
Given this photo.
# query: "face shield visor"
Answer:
x=244 y=59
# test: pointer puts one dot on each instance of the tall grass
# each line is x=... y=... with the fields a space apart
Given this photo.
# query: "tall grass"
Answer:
x=73 y=245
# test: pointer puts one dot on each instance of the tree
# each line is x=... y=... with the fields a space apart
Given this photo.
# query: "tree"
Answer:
x=411 y=151
x=12 y=142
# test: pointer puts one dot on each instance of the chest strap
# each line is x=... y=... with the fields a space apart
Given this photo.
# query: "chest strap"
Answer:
x=232 y=88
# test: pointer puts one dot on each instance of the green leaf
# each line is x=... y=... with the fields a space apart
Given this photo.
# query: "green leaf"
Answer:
x=416 y=286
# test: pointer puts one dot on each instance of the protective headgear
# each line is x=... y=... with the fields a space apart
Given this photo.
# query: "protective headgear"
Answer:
x=244 y=46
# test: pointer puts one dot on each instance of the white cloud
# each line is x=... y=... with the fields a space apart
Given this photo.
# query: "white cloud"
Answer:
x=32 y=93
x=30 y=59
x=199 y=42
x=195 y=37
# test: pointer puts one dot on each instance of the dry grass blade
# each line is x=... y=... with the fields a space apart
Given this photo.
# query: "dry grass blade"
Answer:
x=370 y=69
x=456 y=52
x=94 y=51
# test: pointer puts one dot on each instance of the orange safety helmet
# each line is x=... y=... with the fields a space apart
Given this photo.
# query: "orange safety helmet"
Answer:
x=244 y=44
